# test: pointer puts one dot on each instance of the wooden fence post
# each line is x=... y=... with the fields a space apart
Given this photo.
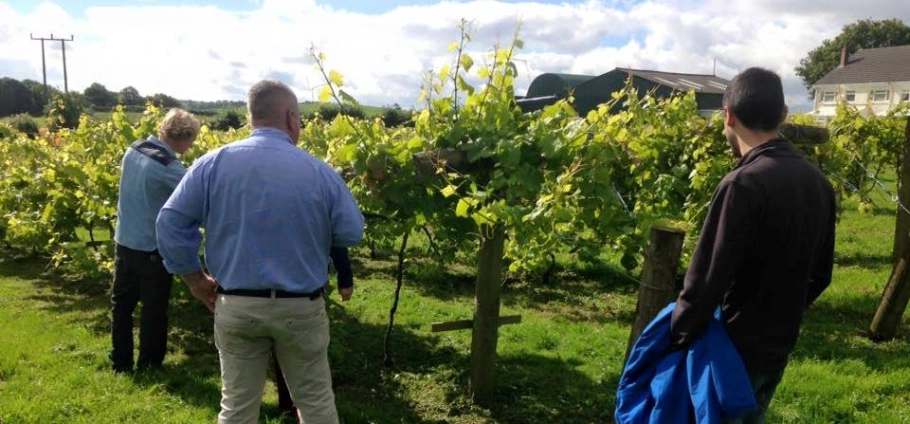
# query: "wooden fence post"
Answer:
x=897 y=293
x=891 y=307
x=658 y=278
x=902 y=229
x=486 y=314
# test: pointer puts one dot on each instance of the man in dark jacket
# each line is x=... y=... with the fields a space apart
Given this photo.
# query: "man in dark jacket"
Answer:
x=767 y=246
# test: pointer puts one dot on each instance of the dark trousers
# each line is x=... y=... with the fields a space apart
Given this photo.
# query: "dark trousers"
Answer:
x=139 y=276
x=764 y=384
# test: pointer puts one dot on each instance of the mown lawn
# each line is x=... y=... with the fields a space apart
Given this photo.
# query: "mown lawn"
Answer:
x=560 y=365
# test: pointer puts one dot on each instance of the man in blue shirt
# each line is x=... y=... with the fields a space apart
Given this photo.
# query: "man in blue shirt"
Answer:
x=149 y=173
x=271 y=214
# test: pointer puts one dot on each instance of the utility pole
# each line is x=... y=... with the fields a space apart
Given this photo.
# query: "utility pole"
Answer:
x=66 y=86
x=43 y=63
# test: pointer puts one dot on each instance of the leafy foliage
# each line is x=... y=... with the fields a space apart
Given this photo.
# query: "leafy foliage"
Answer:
x=99 y=97
x=164 y=101
x=226 y=120
x=863 y=146
x=554 y=181
x=25 y=124
x=328 y=112
x=129 y=96
x=21 y=97
x=395 y=116
x=65 y=110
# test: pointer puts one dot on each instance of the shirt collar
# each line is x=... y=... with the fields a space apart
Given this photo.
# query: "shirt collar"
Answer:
x=161 y=143
x=269 y=132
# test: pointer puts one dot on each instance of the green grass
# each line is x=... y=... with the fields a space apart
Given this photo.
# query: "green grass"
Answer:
x=52 y=364
x=560 y=365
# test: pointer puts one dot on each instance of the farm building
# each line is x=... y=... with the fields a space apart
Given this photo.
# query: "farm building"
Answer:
x=590 y=91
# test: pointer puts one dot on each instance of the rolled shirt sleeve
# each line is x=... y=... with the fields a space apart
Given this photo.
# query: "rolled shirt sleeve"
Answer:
x=178 y=224
x=347 y=221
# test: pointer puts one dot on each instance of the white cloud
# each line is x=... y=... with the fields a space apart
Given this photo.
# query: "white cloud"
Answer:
x=208 y=52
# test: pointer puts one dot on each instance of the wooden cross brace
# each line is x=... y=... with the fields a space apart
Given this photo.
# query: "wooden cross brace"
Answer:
x=469 y=323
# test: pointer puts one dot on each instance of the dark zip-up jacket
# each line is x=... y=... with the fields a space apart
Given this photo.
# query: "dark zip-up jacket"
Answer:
x=765 y=254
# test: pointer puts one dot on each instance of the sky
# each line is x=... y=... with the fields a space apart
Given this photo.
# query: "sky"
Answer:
x=211 y=50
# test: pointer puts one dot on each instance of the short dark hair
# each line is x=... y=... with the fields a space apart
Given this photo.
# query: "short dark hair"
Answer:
x=756 y=98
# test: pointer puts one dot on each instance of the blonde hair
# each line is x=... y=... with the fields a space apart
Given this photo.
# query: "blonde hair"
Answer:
x=178 y=125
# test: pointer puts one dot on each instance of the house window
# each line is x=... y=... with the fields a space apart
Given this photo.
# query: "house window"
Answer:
x=828 y=97
x=850 y=96
x=905 y=96
x=880 y=95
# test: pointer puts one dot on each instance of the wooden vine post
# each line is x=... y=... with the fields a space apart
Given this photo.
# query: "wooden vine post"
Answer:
x=894 y=299
x=485 y=324
x=658 y=278
x=485 y=332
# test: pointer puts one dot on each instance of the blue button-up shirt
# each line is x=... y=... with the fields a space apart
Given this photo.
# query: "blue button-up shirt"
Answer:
x=149 y=173
x=270 y=210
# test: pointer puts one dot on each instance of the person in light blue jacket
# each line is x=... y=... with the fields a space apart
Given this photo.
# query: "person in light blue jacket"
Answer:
x=149 y=173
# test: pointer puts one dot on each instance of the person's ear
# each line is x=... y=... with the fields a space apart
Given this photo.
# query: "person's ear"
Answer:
x=729 y=118
x=783 y=116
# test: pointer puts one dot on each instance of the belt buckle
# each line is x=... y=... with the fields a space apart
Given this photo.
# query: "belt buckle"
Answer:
x=273 y=294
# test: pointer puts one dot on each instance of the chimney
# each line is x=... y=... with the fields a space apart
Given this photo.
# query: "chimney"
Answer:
x=843 y=56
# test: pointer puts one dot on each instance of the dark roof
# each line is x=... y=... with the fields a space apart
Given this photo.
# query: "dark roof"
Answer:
x=591 y=91
x=884 y=64
x=548 y=84
x=682 y=82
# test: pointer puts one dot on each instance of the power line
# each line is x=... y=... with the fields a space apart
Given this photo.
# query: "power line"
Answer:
x=43 y=65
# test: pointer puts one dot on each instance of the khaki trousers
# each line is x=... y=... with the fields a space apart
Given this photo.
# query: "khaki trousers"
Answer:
x=246 y=328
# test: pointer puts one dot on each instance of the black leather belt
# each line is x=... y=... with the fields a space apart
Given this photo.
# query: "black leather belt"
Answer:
x=272 y=294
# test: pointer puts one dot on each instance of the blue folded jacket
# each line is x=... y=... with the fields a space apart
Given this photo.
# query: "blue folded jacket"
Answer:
x=705 y=383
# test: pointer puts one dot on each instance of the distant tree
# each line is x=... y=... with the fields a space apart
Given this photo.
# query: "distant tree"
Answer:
x=164 y=101
x=64 y=110
x=395 y=116
x=99 y=96
x=214 y=105
x=129 y=96
x=863 y=34
x=40 y=95
x=15 y=97
x=227 y=119
x=328 y=111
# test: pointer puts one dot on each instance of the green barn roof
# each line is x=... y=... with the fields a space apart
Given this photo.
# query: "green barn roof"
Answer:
x=550 y=84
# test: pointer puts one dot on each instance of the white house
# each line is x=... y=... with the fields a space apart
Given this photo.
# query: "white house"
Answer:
x=873 y=80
